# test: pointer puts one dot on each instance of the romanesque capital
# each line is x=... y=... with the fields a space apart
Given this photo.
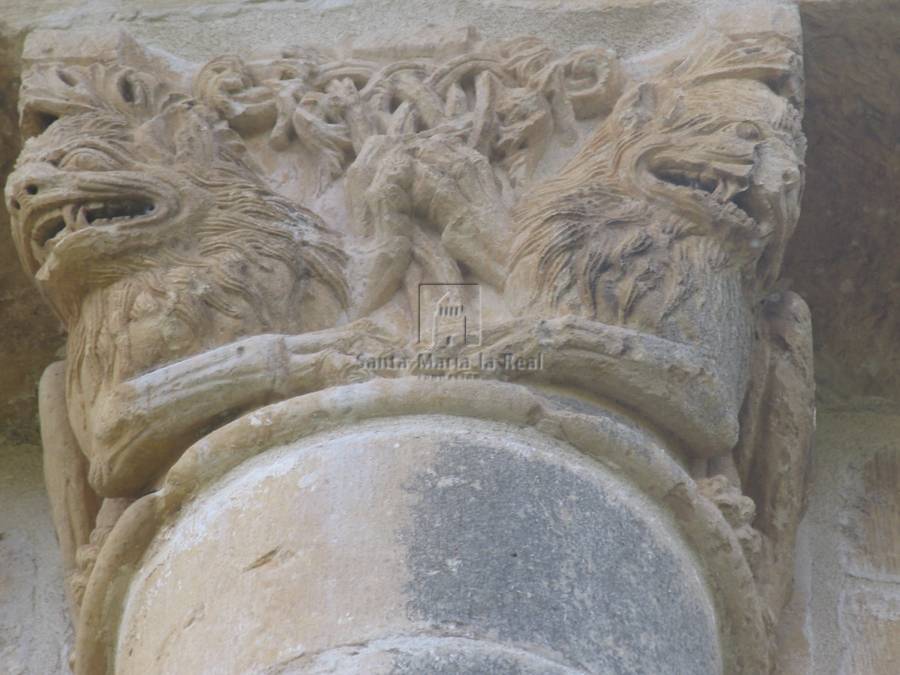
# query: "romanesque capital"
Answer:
x=444 y=350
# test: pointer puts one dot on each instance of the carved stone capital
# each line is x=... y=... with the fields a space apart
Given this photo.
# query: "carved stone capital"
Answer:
x=335 y=288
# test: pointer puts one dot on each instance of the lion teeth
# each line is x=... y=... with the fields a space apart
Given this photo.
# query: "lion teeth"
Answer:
x=70 y=215
x=105 y=213
x=82 y=220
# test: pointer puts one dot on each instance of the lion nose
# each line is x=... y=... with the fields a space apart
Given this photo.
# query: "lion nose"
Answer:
x=25 y=185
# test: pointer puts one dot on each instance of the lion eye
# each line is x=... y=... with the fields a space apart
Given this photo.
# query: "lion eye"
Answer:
x=749 y=131
x=87 y=160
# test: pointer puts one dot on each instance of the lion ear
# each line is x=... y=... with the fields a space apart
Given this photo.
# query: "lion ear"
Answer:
x=193 y=135
x=179 y=133
x=640 y=105
x=188 y=132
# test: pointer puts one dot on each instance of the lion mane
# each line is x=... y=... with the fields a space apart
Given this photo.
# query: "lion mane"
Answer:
x=611 y=240
x=237 y=259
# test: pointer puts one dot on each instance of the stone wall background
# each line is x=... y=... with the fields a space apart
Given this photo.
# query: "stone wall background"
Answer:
x=843 y=260
x=35 y=632
x=844 y=617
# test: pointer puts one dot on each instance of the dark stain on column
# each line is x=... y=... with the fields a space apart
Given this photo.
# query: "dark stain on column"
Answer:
x=524 y=552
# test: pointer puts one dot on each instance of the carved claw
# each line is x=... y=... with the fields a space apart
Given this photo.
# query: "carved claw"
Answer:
x=444 y=183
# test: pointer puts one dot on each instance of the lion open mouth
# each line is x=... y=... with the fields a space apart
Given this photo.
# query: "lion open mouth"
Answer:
x=717 y=189
x=74 y=217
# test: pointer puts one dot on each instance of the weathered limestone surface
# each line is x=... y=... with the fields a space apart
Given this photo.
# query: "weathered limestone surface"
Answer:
x=845 y=613
x=843 y=257
x=215 y=237
x=35 y=629
x=630 y=28
x=417 y=543
x=31 y=336
x=844 y=617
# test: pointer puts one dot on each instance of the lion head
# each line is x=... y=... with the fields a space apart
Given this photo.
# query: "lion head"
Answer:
x=150 y=231
x=144 y=179
x=689 y=189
